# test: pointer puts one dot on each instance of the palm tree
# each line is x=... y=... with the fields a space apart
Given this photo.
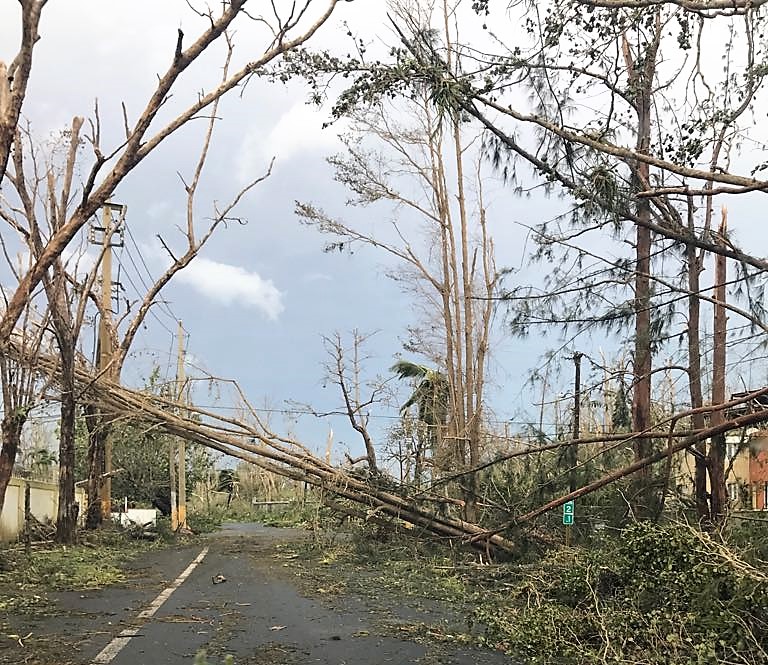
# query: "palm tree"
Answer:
x=431 y=398
x=40 y=462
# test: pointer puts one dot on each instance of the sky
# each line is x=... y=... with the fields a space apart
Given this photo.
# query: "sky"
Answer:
x=257 y=302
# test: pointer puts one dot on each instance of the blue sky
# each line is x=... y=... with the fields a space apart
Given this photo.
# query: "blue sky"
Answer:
x=262 y=295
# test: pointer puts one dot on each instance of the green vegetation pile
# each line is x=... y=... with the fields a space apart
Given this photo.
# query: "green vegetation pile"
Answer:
x=654 y=594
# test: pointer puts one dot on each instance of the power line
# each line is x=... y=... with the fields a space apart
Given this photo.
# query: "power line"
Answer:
x=148 y=271
x=151 y=311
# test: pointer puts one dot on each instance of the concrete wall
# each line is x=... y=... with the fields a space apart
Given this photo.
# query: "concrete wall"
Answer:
x=44 y=500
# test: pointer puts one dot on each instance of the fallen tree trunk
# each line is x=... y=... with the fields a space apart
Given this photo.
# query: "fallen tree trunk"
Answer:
x=688 y=442
x=257 y=445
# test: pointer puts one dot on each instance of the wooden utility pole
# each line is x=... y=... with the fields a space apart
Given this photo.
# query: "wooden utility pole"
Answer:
x=180 y=383
x=719 y=500
x=105 y=350
x=172 y=449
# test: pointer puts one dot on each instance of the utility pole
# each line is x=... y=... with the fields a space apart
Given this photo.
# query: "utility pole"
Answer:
x=101 y=233
x=105 y=350
x=180 y=383
x=571 y=455
x=109 y=228
x=172 y=481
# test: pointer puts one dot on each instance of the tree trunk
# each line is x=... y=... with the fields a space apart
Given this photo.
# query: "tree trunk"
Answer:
x=641 y=393
x=12 y=425
x=66 y=518
x=718 y=491
x=694 y=374
x=643 y=495
x=96 y=438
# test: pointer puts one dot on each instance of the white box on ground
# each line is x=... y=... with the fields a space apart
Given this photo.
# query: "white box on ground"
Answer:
x=136 y=517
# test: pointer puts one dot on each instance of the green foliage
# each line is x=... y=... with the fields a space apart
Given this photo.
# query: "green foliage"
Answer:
x=525 y=483
x=143 y=455
x=200 y=521
x=227 y=480
x=141 y=451
x=621 y=416
x=750 y=536
x=431 y=394
x=297 y=514
x=97 y=562
x=652 y=595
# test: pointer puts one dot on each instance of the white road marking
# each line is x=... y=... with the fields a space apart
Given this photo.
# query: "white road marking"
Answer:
x=108 y=653
x=165 y=594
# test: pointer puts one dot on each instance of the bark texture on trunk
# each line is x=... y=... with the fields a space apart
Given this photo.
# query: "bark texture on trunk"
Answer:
x=718 y=490
x=694 y=373
x=96 y=439
x=68 y=510
x=642 y=72
x=12 y=425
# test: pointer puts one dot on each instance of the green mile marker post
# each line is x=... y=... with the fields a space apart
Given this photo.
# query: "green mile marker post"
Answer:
x=568 y=516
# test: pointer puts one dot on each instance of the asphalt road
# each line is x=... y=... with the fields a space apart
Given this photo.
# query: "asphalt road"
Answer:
x=233 y=601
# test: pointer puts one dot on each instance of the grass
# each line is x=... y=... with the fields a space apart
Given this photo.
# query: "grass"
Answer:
x=98 y=561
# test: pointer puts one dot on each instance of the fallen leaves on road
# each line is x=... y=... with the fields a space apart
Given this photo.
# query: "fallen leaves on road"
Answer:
x=182 y=619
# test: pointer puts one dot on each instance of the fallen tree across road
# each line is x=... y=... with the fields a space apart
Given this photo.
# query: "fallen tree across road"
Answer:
x=255 y=443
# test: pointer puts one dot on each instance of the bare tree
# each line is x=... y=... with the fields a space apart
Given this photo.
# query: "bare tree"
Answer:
x=69 y=209
x=142 y=137
x=453 y=277
x=347 y=375
x=20 y=380
x=14 y=78
x=99 y=421
x=47 y=191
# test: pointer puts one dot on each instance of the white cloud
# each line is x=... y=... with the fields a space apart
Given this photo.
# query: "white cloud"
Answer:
x=79 y=260
x=299 y=131
x=227 y=285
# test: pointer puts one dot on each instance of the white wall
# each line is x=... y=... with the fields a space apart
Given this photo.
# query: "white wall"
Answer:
x=44 y=499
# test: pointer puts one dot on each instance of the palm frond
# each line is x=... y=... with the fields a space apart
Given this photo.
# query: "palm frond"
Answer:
x=405 y=369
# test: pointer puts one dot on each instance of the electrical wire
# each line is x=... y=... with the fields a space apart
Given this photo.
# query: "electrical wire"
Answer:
x=148 y=271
